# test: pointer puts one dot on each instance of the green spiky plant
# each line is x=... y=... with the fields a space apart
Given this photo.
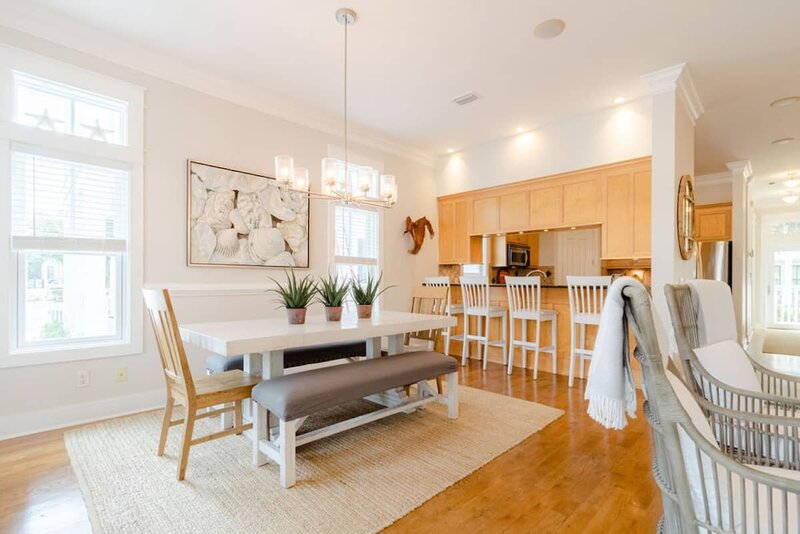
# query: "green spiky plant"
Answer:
x=365 y=292
x=295 y=294
x=331 y=292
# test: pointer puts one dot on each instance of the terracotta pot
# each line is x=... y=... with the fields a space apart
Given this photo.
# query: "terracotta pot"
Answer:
x=333 y=313
x=296 y=315
x=364 y=311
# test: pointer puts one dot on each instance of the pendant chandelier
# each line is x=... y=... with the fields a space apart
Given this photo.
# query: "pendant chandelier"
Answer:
x=336 y=187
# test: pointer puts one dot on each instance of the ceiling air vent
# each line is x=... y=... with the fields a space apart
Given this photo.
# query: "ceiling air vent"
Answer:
x=465 y=99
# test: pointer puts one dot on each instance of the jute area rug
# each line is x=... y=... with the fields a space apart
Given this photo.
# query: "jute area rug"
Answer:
x=361 y=480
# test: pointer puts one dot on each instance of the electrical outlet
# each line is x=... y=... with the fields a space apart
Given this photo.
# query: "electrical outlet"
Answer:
x=82 y=379
x=122 y=374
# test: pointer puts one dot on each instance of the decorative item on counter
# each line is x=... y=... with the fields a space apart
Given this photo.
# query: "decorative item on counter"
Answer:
x=417 y=230
x=365 y=293
x=501 y=275
x=331 y=293
x=295 y=296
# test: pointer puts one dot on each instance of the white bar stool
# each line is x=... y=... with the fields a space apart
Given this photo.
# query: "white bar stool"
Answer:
x=525 y=304
x=475 y=296
x=452 y=309
x=586 y=297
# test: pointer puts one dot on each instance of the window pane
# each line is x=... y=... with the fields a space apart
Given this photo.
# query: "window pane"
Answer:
x=58 y=198
x=68 y=297
x=54 y=106
x=356 y=232
x=787 y=287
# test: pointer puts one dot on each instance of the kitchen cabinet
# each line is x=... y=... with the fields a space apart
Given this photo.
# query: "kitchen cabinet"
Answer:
x=547 y=205
x=454 y=224
x=486 y=215
x=712 y=222
x=582 y=203
x=626 y=199
x=514 y=212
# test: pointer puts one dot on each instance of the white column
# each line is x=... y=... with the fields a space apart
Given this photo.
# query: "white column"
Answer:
x=676 y=107
x=740 y=177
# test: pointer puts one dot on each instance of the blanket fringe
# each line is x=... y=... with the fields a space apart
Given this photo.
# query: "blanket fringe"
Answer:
x=610 y=412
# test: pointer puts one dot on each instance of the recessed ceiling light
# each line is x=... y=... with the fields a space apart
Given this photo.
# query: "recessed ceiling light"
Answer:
x=791 y=184
x=791 y=199
x=619 y=100
x=783 y=102
x=520 y=129
x=450 y=150
x=783 y=141
x=549 y=29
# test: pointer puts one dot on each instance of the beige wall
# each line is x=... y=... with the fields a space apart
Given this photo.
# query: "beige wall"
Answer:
x=181 y=123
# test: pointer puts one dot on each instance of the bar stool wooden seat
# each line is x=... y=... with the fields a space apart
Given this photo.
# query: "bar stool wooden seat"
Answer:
x=586 y=297
x=451 y=310
x=525 y=304
x=475 y=297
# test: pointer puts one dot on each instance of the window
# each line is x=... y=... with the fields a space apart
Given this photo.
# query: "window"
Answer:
x=356 y=246
x=73 y=158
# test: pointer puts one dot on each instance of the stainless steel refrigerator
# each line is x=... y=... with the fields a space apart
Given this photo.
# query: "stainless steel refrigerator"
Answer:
x=714 y=260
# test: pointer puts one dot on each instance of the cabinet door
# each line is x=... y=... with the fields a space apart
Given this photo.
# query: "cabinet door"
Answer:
x=547 y=207
x=582 y=202
x=446 y=231
x=485 y=215
x=514 y=212
x=461 y=243
x=618 y=230
x=713 y=223
x=642 y=183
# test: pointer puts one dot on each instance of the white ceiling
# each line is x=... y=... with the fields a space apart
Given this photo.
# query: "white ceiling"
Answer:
x=409 y=58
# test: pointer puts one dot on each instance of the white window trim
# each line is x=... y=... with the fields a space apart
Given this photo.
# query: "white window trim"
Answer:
x=131 y=155
x=333 y=259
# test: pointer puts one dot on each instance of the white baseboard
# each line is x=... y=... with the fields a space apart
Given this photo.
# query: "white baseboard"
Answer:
x=12 y=426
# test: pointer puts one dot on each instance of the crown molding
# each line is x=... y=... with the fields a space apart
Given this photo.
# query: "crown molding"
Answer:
x=56 y=28
x=717 y=178
x=742 y=168
x=678 y=79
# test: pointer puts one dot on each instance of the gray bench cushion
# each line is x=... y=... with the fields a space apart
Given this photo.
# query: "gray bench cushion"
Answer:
x=297 y=395
x=294 y=357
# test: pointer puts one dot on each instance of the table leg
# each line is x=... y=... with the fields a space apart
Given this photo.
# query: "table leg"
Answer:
x=396 y=344
x=374 y=347
x=272 y=367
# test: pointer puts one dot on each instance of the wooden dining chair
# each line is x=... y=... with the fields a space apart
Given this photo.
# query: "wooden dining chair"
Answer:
x=433 y=301
x=206 y=392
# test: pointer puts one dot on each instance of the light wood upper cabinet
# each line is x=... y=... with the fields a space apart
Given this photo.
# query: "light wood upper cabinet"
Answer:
x=547 y=205
x=582 y=203
x=486 y=215
x=626 y=231
x=454 y=227
x=514 y=212
x=712 y=222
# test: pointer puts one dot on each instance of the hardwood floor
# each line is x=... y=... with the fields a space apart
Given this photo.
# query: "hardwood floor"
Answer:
x=572 y=476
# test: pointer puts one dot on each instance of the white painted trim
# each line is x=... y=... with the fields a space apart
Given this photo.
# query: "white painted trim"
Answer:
x=55 y=27
x=717 y=178
x=741 y=167
x=677 y=78
x=25 y=423
x=212 y=290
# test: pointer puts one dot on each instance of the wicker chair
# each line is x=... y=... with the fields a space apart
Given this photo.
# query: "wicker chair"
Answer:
x=727 y=496
x=684 y=318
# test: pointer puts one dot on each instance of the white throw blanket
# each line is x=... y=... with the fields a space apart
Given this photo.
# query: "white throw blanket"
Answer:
x=716 y=320
x=610 y=389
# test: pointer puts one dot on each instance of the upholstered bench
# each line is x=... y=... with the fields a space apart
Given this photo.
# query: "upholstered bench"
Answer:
x=294 y=357
x=291 y=398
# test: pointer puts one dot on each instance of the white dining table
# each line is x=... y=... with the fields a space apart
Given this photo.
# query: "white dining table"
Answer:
x=262 y=342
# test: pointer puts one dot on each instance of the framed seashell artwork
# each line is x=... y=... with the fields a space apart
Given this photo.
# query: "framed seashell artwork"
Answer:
x=238 y=218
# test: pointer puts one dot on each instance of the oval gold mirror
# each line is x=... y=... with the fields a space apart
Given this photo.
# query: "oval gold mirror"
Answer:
x=685 y=217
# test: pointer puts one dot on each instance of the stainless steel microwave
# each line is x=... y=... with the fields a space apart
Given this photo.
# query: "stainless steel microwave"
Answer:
x=518 y=255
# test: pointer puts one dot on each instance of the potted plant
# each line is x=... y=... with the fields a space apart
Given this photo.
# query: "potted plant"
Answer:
x=365 y=293
x=331 y=293
x=295 y=296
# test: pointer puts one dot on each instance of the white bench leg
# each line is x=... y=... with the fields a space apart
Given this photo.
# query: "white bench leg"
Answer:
x=554 y=342
x=452 y=395
x=286 y=446
x=260 y=432
x=465 y=343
